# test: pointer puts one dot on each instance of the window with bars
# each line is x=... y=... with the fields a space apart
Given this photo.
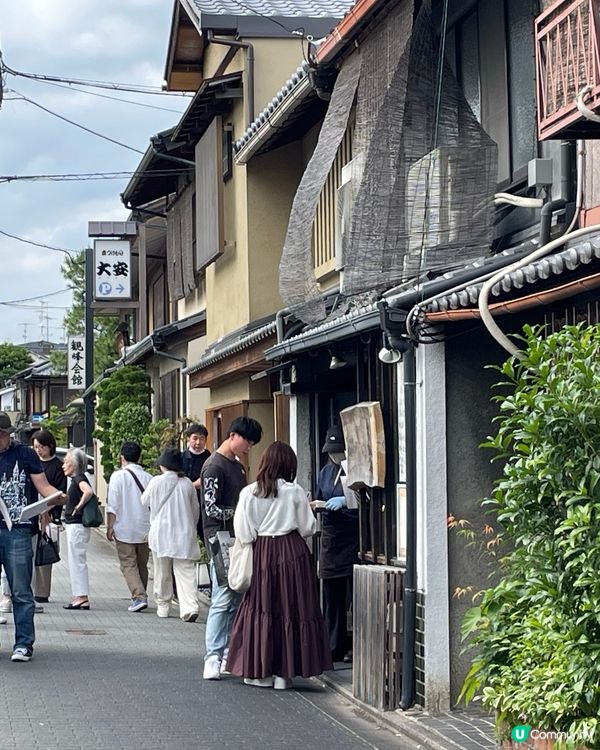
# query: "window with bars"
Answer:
x=325 y=222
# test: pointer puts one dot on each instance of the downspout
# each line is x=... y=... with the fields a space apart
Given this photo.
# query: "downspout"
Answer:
x=546 y=213
x=410 y=576
x=159 y=353
x=249 y=47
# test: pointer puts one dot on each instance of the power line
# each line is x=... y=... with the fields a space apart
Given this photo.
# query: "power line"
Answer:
x=76 y=124
x=133 y=88
x=85 y=176
x=37 y=296
x=107 y=96
x=38 y=244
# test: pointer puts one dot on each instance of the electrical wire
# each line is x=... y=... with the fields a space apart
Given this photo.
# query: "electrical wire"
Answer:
x=263 y=15
x=70 y=253
x=133 y=88
x=38 y=296
x=112 y=98
x=86 y=176
x=76 y=124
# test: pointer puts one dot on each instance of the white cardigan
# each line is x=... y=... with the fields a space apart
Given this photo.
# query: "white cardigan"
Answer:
x=174 y=513
x=273 y=516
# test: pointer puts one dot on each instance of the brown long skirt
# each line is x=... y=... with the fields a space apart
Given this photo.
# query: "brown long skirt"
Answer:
x=279 y=629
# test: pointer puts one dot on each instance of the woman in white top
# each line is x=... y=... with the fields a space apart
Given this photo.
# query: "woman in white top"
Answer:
x=279 y=632
x=174 y=513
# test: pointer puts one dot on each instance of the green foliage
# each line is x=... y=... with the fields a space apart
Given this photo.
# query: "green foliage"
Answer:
x=126 y=387
x=105 y=327
x=537 y=632
x=51 y=423
x=13 y=358
x=58 y=360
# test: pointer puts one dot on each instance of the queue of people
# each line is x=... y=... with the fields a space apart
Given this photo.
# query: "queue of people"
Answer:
x=273 y=632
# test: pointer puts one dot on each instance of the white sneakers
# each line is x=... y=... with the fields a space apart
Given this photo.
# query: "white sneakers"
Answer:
x=6 y=604
x=279 y=683
x=264 y=682
x=190 y=617
x=224 y=669
x=212 y=668
x=282 y=683
x=162 y=610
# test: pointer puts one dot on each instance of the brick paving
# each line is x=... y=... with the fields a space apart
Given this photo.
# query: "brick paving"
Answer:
x=110 y=679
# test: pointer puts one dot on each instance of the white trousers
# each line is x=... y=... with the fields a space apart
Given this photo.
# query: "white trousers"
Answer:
x=78 y=538
x=185 y=578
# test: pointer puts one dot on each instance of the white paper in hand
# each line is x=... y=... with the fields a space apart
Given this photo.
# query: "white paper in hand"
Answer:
x=41 y=506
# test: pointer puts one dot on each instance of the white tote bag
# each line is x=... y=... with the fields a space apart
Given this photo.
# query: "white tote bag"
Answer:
x=241 y=557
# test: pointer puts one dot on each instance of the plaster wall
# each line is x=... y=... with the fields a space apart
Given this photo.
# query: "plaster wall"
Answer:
x=274 y=62
x=229 y=393
x=227 y=283
x=470 y=472
x=272 y=182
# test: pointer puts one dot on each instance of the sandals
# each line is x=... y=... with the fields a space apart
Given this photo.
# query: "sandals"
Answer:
x=80 y=605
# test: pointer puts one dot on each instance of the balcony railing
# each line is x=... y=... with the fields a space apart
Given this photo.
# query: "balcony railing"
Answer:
x=567 y=60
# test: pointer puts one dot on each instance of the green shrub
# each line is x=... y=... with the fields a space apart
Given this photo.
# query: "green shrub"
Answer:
x=537 y=632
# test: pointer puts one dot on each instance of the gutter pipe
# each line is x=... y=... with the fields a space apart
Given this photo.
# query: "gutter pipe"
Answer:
x=343 y=32
x=160 y=353
x=249 y=47
x=546 y=214
x=410 y=576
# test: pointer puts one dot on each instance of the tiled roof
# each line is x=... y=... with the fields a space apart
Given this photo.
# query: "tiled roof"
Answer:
x=281 y=8
x=231 y=344
x=283 y=95
x=555 y=264
x=366 y=316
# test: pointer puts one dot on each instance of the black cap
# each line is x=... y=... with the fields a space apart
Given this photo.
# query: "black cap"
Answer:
x=5 y=423
x=334 y=441
x=171 y=459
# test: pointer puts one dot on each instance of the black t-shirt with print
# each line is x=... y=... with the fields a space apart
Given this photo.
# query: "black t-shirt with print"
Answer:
x=222 y=481
x=17 y=464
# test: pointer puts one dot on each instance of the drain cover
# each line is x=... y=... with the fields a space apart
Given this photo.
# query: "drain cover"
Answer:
x=95 y=631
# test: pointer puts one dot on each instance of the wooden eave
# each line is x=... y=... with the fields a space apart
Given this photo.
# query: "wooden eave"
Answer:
x=183 y=69
x=244 y=363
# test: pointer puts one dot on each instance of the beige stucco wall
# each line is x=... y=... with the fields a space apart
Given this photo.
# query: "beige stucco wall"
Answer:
x=272 y=182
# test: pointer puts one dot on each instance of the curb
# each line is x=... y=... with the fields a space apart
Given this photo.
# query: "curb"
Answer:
x=400 y=723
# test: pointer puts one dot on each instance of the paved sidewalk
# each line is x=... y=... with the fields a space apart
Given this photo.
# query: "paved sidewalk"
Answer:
x=107 y=679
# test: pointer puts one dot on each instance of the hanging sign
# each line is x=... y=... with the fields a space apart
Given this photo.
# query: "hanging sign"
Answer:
x=76 y=363
x=112 y=269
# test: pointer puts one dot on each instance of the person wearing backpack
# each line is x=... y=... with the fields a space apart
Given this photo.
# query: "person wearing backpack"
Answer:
x=128 y=523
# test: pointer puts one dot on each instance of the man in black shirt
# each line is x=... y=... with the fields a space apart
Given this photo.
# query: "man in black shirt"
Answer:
x=223 y=477
x=21 y=478
x=194 y=457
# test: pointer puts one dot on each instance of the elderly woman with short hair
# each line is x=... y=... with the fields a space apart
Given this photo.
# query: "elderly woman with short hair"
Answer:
x=78 y=536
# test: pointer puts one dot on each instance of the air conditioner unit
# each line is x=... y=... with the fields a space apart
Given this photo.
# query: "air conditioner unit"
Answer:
x=567 y=54
x=345 y=196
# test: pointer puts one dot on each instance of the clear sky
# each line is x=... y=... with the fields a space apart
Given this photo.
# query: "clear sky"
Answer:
x=108 y=40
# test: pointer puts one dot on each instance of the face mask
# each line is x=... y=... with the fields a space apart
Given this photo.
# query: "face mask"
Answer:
x=337 y=458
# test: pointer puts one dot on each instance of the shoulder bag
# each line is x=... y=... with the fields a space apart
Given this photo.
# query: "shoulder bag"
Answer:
x=91 y=516
x=241 y=558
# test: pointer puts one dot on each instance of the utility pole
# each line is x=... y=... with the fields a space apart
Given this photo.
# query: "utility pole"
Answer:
x=88 y=399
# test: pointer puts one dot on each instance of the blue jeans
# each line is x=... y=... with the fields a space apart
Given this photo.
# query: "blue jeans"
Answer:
x=16 y=557
x=224 y=604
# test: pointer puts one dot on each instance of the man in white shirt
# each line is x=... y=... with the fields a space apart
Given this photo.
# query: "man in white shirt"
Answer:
x=128 y=523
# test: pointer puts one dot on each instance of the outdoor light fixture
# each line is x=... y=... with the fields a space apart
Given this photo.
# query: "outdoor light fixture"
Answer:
x=337 y=362
x=389 y=356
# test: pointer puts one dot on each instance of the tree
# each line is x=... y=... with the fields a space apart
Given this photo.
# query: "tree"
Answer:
x=105 y=327
x=13 y=359
x=537 y=630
